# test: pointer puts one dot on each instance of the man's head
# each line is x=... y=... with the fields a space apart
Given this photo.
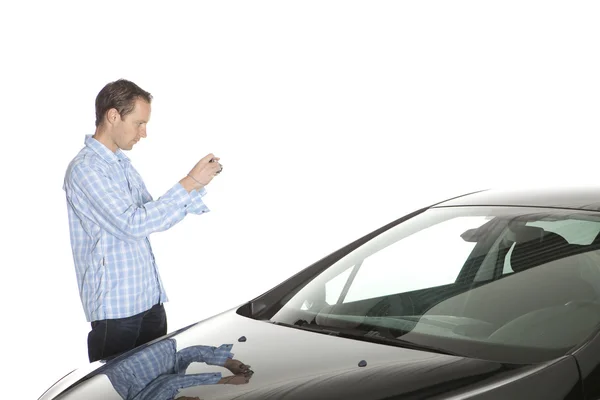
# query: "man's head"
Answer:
x=122 y=112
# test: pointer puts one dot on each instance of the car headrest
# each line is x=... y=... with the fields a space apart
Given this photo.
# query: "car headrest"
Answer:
x=535 y=247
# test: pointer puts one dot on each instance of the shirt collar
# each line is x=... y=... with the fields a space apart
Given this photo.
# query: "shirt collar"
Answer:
x=104 y=152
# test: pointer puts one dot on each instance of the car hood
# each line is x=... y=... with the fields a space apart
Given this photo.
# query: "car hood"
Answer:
x=294 y=364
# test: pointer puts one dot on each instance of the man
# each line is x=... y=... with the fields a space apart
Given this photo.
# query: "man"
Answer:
x=111 y=215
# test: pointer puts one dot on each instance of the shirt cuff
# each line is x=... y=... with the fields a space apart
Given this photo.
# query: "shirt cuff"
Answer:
x=189 y=202
x=222 y=353
x=196 y=205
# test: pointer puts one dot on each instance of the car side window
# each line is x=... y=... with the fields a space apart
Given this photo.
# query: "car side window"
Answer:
x=575 y=231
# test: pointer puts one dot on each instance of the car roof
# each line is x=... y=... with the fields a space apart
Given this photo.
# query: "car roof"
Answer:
x=581 y=198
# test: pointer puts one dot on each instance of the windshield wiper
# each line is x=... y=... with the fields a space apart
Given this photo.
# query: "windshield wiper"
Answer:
x=366 y=338
x=309 y=327
x=405 y=344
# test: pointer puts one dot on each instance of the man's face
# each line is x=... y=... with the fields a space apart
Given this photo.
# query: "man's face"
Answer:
x=129 y=130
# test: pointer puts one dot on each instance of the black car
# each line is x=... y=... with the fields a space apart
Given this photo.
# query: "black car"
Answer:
x=491 y=295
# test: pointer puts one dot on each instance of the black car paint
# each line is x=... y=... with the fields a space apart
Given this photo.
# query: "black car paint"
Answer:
x=294 y=364
x=589 y=366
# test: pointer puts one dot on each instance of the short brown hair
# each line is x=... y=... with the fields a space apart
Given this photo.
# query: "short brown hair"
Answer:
x=121 y=95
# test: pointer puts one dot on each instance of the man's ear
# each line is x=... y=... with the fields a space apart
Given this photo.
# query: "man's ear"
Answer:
x=112 y=116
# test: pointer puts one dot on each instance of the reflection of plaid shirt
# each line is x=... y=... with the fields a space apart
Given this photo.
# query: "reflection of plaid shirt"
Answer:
x=111 y=215
x=157 y=372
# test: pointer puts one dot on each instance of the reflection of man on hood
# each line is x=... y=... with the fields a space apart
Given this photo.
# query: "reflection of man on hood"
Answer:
x=157 y=372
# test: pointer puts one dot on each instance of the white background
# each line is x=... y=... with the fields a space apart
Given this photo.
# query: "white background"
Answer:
x=331 y=119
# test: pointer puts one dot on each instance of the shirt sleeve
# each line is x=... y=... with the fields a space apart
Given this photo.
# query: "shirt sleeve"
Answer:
x=207 y=354
x=115 y=211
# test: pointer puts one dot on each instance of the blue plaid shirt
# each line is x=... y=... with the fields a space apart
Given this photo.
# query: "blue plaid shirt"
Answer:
x=157 y=372
x=111 y=215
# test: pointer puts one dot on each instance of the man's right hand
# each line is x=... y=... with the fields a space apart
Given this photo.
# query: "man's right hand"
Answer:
x=237 y=367
x=202 y=173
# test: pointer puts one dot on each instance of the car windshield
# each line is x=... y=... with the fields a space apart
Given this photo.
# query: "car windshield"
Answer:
x=515 y=285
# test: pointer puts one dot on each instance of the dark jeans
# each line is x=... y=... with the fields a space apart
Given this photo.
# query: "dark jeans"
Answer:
x=110 y=337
